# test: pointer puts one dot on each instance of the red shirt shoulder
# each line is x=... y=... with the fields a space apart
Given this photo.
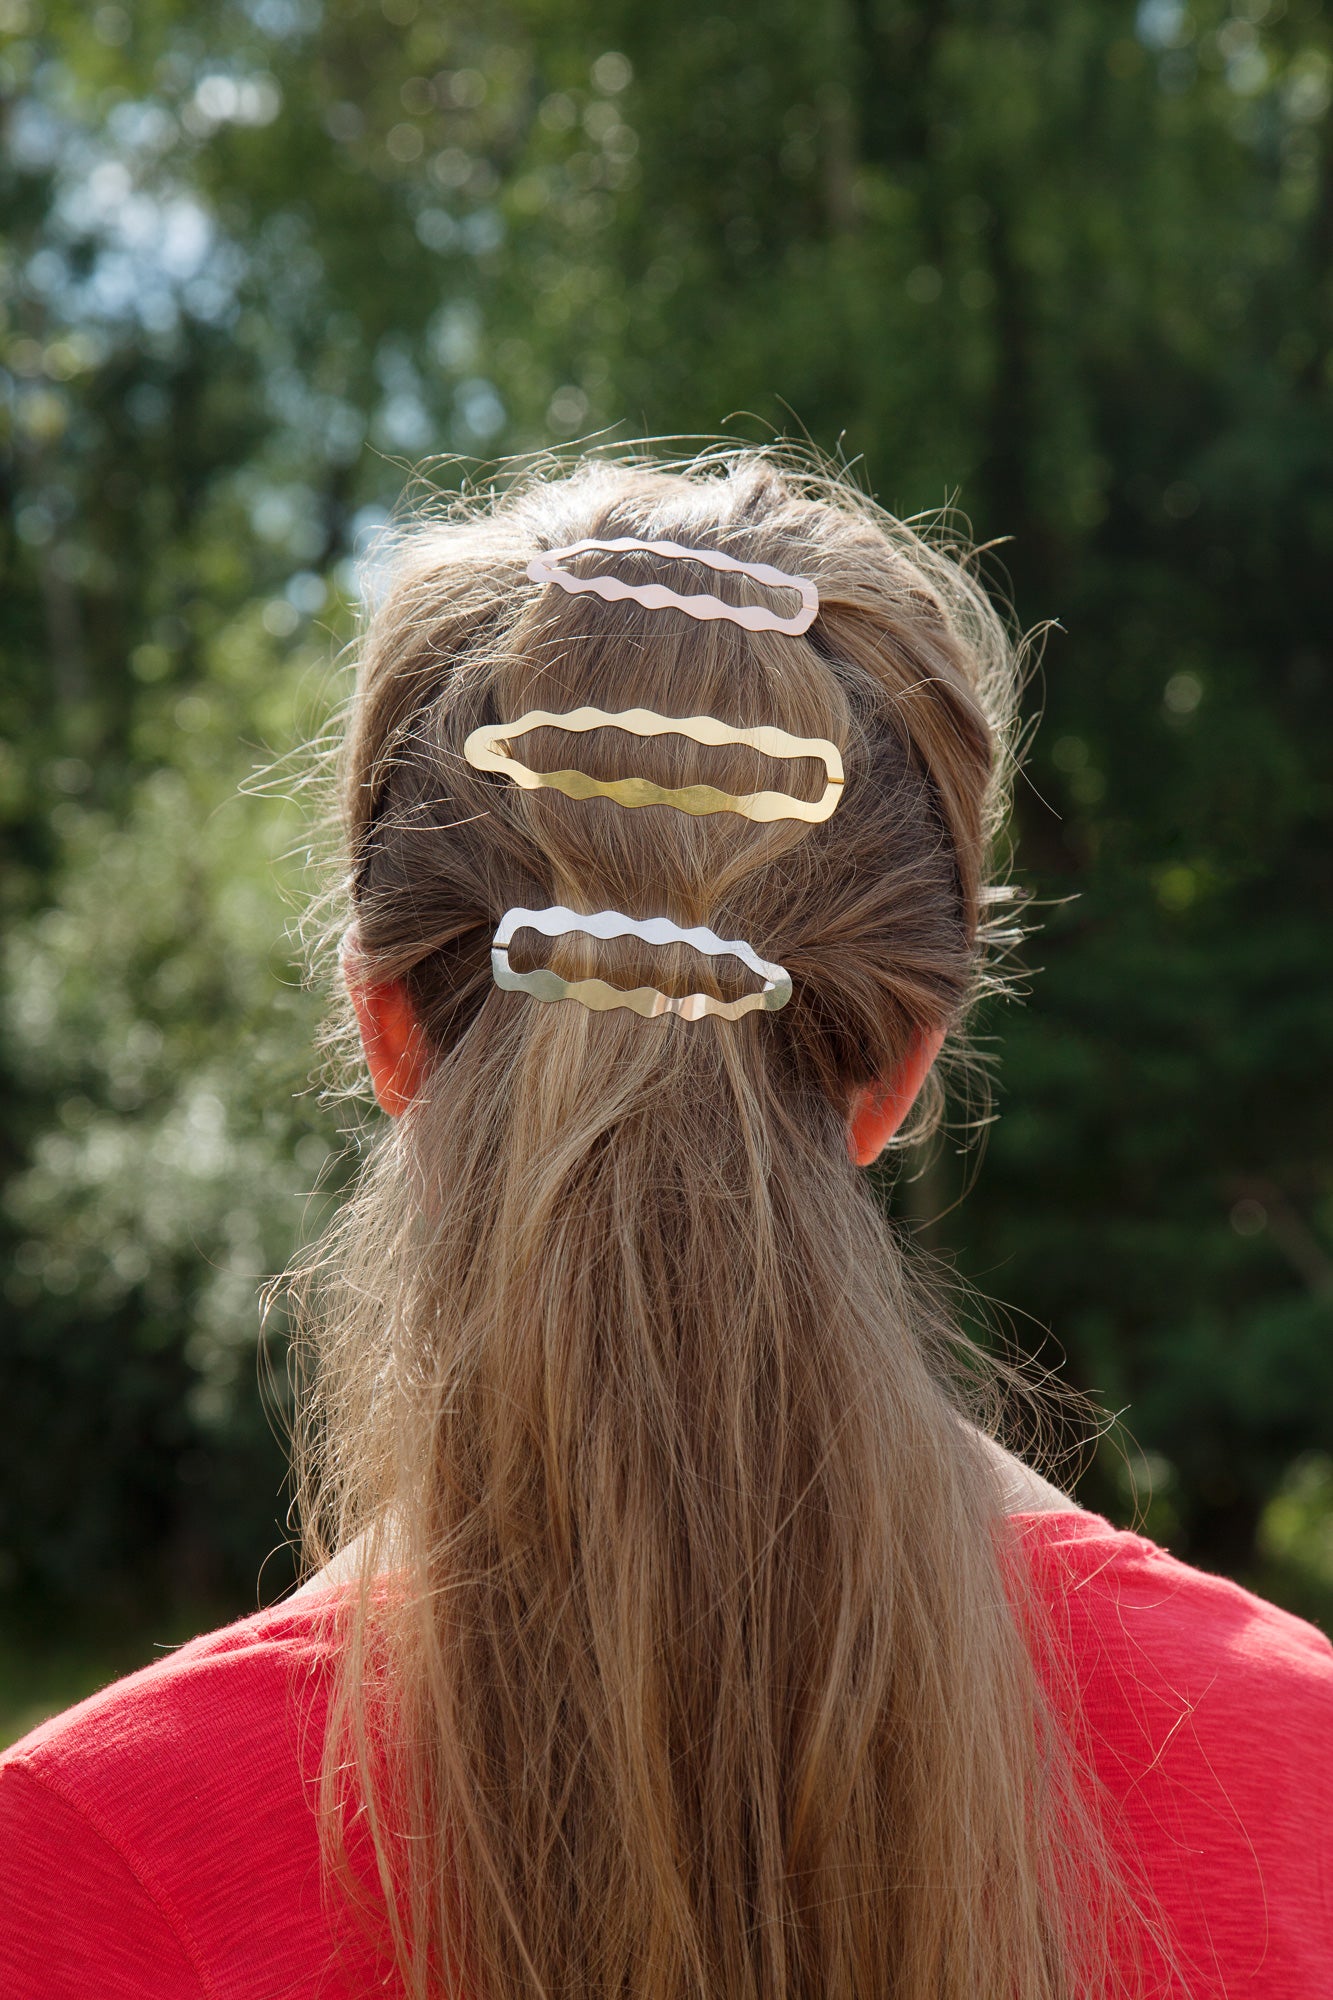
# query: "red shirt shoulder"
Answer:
x=1208 y=1717
x=161 y=1836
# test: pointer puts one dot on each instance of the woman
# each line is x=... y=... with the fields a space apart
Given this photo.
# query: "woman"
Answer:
x=674 y=1631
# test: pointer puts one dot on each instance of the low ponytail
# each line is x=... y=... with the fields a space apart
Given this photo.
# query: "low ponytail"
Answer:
x=687 y=1658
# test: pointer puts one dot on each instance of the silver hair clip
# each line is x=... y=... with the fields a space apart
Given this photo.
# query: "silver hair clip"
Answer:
x=646 y=1000
x=545 y=568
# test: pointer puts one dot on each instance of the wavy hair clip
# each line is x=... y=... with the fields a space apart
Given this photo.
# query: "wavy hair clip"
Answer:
x=600 y=997
x=486 y=749
x=546 y=568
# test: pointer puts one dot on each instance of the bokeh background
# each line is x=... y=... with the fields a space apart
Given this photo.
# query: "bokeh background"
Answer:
x=1063 y=264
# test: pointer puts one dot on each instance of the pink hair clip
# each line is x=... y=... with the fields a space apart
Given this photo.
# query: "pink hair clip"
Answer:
x=545 y=568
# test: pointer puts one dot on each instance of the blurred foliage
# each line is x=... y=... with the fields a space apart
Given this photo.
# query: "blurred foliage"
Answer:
x=45 y=1666
x=1067 y=265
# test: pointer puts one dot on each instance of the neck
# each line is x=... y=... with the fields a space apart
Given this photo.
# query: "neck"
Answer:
x=1025 y=1491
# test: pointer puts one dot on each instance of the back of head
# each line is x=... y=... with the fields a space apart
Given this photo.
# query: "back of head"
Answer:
x=698 y=1673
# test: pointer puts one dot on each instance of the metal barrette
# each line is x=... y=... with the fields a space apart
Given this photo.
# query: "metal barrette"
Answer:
x=486 y=749
x=597 y=995
x=546 y=568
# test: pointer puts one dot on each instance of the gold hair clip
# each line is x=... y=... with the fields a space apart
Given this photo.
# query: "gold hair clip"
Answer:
x=483 y=751
x=597 y=995
x=545 y=568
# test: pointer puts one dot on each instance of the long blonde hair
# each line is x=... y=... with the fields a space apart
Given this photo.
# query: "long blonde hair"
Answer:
x=686 y=1659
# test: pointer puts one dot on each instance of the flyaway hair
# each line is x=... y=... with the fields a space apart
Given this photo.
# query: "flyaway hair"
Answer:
x=688 y=1659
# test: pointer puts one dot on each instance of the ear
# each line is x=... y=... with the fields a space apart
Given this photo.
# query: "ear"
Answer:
x=391 y=1037
x=878 y=1109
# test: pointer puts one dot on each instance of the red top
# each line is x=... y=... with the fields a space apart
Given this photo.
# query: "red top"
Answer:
x=158 y=1841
